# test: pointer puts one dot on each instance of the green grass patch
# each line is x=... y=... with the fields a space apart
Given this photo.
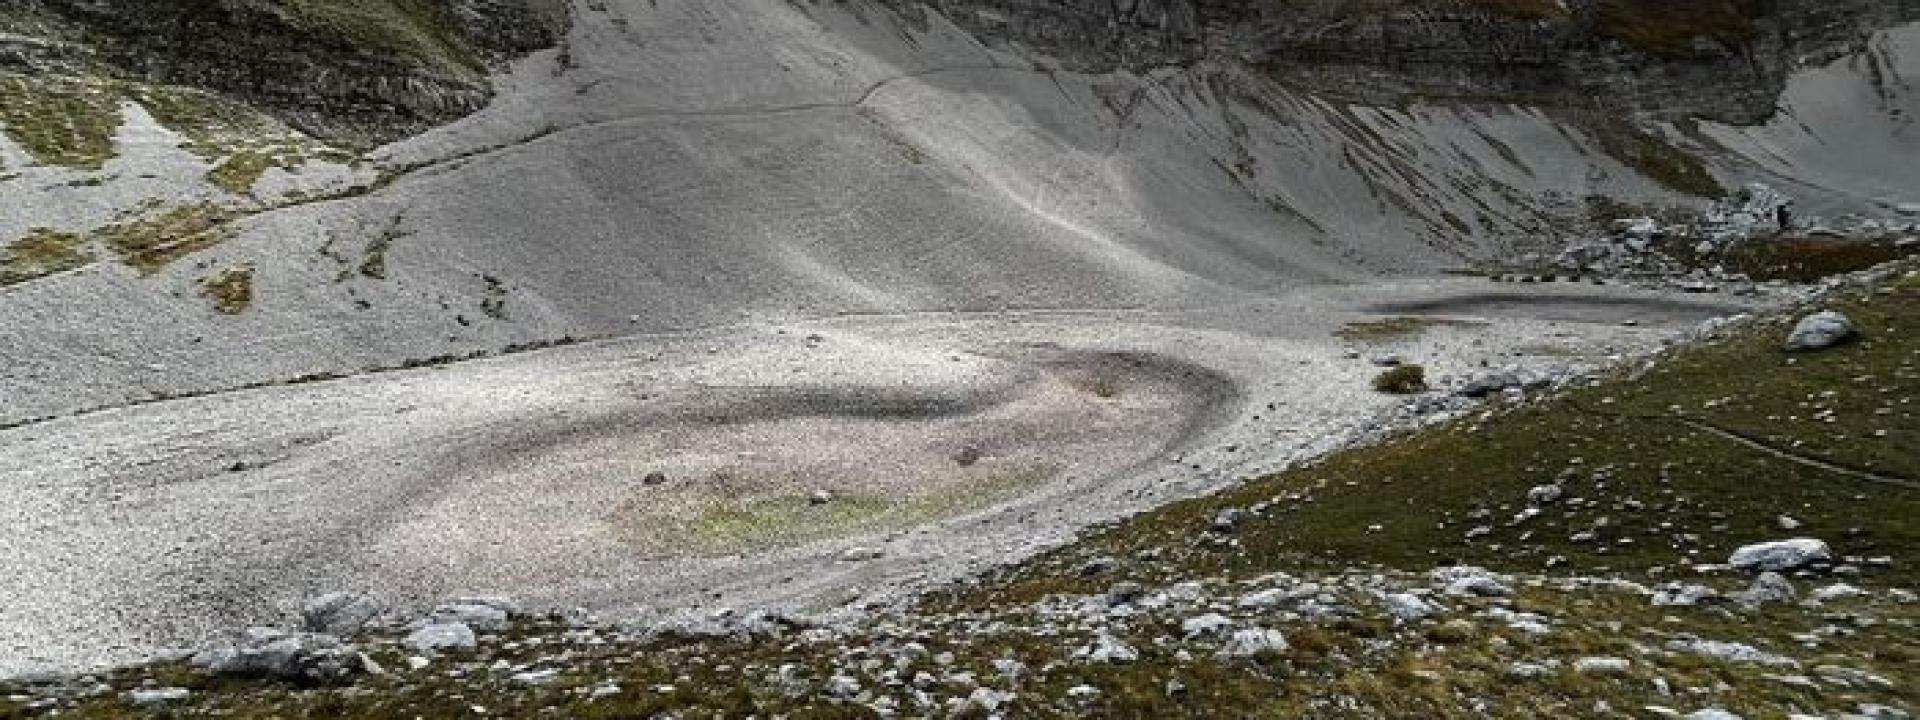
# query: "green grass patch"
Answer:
x=1402 y=380
x=231 y=290
x=1648 y=486
x=238 y=173
x=150 y=243
x=60 y=121
x=41 y=253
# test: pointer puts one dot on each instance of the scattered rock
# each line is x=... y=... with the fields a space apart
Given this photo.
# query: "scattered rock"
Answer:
x=841 y=687
x=1819 y=331
x=860 y=553
x=1249 y=642
x=1207 y=625
x=1779 y=555
x=1602 y=666
x=1109 y=649
x=1407 y=607
x=1769 y=588
x=442 y=636
x=1712 y=714
x=269 y=652
x=654 y=478
x=478 y=617
x=819 y=497
x=1732 y=652
x=1683 y=595
x=158 y=696
x=1545 y=494
x=340 y=614
x=1225 y=520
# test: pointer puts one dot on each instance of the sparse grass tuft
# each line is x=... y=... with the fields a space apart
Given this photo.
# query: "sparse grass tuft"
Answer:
x=61 y=121
x=239 y=172
x=1393 y=328
x=149 y=243
x=1402 y=380
x=231 y=290
x=41 y=253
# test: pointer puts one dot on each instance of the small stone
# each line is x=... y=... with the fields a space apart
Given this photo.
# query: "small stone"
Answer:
x=158 y=696
x=819 y=497
x=1769 y=588
x=654 y=478
x=1206 y=625
x=442 y=636
x=1819 y=331
x=1249 y=642
x=1545 y=494
x=841 y=687
x=1109 y=649
x=340 y=614
x=1602 y=665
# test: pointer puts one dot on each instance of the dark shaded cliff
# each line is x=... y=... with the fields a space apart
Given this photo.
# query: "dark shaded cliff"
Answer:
x=354 y=71
x=1721 y=59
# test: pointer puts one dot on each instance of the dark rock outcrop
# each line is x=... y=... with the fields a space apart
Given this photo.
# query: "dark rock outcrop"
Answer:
x=1722 y=59
x=357 y=72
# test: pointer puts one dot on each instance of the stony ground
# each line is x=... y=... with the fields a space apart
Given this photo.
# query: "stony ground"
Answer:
x=1567 y=553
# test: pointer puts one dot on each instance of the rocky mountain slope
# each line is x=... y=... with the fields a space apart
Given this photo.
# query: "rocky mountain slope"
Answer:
x=661 y=167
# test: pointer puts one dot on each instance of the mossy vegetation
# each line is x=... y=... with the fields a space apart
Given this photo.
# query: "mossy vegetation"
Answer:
x=231 y=290
x=40 y=253
x=61 y=121
x=149 y=243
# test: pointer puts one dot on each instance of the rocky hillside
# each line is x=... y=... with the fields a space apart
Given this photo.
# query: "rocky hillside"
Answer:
x=358 y=71
x=1725 y=60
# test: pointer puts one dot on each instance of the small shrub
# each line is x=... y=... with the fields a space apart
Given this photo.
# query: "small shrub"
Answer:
x=1403 y=380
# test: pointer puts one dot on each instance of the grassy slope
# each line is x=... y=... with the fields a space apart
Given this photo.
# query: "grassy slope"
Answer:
x=1614 y=445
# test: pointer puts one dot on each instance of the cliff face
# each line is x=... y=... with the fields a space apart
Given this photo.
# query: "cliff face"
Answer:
x=1725 y=60
x=354 y=71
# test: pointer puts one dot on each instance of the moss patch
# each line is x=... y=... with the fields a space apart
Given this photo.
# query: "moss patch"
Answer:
x=60 y=121
x=41 y=253
x=231 y=290
x=149 y=243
